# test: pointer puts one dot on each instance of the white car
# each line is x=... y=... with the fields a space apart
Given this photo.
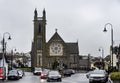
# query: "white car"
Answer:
x=21 y=73
x=37 y=71
x=98 y=76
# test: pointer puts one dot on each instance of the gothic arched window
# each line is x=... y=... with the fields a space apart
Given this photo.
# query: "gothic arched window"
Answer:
x=39 y=29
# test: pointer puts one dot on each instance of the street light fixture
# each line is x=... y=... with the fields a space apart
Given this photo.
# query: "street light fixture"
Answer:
x=105 y=30
x=4 y=43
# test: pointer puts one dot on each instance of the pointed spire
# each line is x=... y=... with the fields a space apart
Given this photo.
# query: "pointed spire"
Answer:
x=56 y=30
x=35 y=14
x=44 y=14
x=44 y=10
x=35 y=11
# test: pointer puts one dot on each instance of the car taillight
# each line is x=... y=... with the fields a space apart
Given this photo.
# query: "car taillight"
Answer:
x=1 y=74
x=42 y=74
x=1 y=70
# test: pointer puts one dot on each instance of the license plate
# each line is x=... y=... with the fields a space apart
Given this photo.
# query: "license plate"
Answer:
x=54 y=78
x=96 y=79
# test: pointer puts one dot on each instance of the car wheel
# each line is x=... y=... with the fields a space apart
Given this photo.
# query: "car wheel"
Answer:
x=106 y=79
x=18 y=78
x=48 y=80
x=90 y=82
x=60 y=80
x=4 y=79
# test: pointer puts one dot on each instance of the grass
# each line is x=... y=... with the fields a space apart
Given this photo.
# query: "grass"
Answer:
x=26 y=69
x=115 y=76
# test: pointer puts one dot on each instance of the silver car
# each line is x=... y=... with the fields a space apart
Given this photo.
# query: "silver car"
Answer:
x=21 y=73
x=98 y=76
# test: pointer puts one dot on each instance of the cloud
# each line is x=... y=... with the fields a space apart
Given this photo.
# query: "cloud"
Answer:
x=81 y=20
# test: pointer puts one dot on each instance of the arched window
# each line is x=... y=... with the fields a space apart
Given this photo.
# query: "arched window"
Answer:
x=39 y=29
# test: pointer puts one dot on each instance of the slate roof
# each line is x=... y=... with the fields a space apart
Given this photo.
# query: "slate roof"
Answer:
x=73 y=48
x=57 y=37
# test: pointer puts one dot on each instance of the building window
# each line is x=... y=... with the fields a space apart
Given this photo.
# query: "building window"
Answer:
x=39 y=29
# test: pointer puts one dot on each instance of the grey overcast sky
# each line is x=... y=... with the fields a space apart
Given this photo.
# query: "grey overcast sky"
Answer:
x=76 y=20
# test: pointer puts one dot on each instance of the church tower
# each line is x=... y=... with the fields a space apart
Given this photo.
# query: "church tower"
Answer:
x=39 y=41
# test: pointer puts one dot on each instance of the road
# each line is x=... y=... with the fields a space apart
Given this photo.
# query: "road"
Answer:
x=30 y=78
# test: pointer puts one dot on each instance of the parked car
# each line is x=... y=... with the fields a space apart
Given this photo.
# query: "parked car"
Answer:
x=44 y=74
x=2 y=73
x=68 y=72
x=13 y=75
x=54 y=76
x=98 y=76
x=21 y=73
x=37 y=71
x=72 y=71
x=88 y=74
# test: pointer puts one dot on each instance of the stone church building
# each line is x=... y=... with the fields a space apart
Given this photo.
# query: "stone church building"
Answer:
x=54 y=53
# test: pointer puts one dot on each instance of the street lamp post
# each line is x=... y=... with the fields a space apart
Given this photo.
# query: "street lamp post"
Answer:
x=105 y=30
x=12 y=55
x=11 y=59
x=102 y=50
x=4 y=44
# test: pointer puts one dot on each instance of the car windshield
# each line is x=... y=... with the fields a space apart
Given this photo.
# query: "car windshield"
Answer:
x=12 y=72
x=38 y=69
x=98 y=72
x=53 y=73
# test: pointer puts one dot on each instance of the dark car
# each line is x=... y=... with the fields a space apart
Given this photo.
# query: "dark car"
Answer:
x=72 y=71
x=54 y=76
x=13 y=75
x=68 y=72
x=98 y=76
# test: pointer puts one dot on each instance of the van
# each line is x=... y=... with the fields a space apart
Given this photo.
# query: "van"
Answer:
x=2 y=73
